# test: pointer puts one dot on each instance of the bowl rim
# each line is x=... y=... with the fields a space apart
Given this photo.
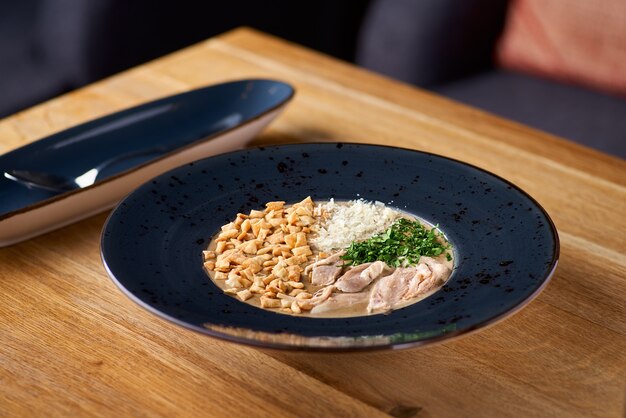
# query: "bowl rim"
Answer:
x=427 y=341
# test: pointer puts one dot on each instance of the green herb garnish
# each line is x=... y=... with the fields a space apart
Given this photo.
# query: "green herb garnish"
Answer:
x=402 y=244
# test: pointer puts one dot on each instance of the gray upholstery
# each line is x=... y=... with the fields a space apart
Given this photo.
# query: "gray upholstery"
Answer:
x=425 y=42
x=447 y=46
x=591 y=118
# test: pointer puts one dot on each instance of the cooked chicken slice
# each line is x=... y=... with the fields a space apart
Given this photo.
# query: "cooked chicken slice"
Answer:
x=390 y=290
x=422 y=273
x=407 y=283
x=359 y=277
x=438 y=268
x=340 y=301
x=325 y=275
x=352 y=272
x=439 y=274
x=332 y=260
x=318 y=297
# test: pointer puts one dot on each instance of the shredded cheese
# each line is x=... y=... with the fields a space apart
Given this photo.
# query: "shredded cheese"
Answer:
x=355 y=221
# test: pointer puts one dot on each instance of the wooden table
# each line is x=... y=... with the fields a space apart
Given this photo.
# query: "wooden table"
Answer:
x=73 y=344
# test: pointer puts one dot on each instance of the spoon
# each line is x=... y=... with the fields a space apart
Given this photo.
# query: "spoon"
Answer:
x=60 y=184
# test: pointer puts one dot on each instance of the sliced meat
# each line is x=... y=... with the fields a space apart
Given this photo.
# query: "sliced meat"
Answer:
x=407 y=283
x=340 y=301
x=422 y=273
x=318 y=297
x=325 y=275
x=439 y=274
x=438 y=268
x=334 y=259
x=359 y=277
x=390 y=290
x=354 y=272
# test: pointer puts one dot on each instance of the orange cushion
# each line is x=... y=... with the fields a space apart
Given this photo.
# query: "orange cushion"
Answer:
x=577 y=41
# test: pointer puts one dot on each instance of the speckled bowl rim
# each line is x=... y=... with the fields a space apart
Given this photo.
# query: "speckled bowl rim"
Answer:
x=342 y=347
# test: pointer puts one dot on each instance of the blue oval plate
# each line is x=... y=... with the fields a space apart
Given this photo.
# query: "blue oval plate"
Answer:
x=127 y=148
x=506 y=247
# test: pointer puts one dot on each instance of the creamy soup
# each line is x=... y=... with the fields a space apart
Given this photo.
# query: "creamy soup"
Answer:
x=328 y=259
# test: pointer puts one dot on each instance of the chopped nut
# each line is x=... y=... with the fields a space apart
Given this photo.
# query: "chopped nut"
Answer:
x=228 y=234
x=229 y=226
x=296 y=259
x=222 y=263
x=257 y=289
x=237 y=257
x=276 y=221
x=292 y=218
x=249 y=247
x=290 y=240
x=244 y=295
x=269 y=214
x=254 y=267
x=307 y=220
x=247 y=273
x=279 y=249
x=269 y=303
x=295 y=285
x=295 y=307
x=300 y=239
x=302 y=251
x=267 y=280
x=296 y=292
x=256 y=214
x=280 y=271
x=305 y=306
x=303 y=211
x=264 y=250
x=233 y=279
x=293 y=229
x=221 y=246
x=293 y=273
x=278 y=205
x=263 y=232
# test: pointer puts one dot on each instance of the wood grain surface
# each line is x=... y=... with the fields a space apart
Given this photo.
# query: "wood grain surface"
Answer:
x=73 y=345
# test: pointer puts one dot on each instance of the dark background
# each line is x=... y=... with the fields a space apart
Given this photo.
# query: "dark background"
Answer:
x=48 y=47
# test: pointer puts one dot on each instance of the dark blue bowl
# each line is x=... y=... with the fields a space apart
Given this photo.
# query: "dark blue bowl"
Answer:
x=505 y=244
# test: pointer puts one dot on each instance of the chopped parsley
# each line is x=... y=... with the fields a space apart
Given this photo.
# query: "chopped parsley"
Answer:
x=402 y=244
